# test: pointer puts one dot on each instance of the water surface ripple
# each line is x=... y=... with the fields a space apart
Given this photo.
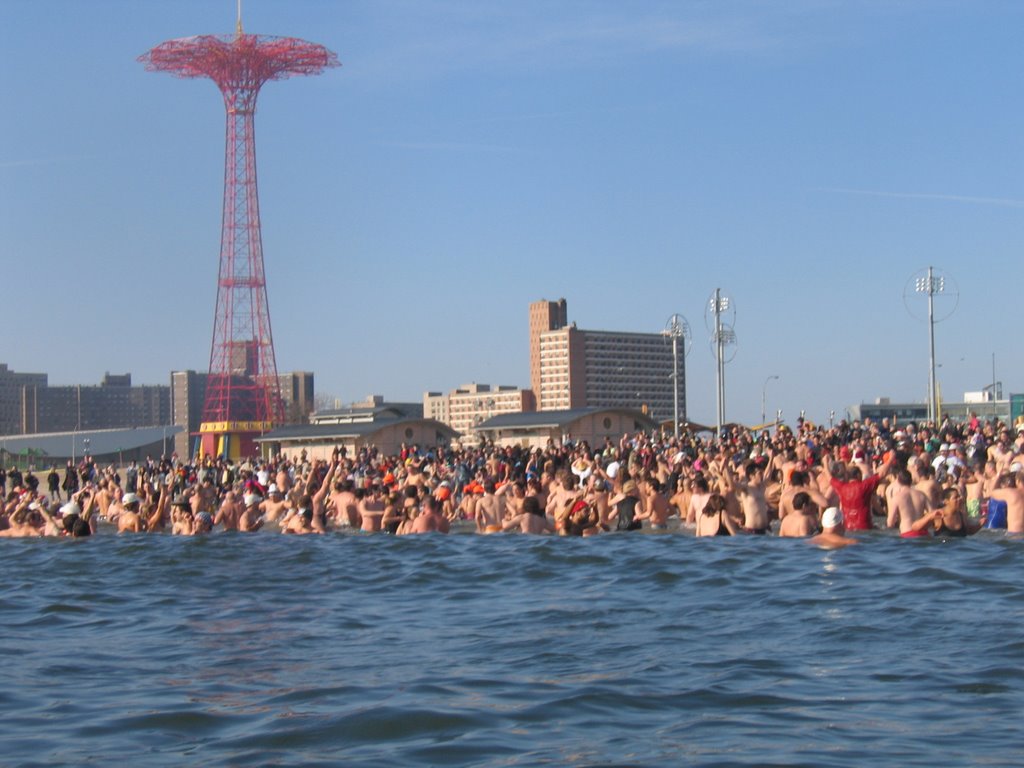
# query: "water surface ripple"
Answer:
x=511 y=651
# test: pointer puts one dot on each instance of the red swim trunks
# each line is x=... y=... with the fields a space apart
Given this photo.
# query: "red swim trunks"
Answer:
x=914 y=534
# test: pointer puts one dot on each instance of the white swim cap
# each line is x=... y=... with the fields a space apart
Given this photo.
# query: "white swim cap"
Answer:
x=831 y=518
x=71 y=508
x=250 y=499
x=130 y=498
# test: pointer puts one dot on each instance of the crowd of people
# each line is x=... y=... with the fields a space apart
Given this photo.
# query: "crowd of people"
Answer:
x=811 y=482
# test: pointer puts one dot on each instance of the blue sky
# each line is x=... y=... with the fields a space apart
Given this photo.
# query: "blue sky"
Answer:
x=807 y=157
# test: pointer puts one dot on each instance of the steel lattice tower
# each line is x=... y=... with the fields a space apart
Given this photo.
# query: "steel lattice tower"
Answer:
x=243 y=393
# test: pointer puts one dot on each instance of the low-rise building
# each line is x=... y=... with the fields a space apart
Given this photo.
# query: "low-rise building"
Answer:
x=538 y=429
x=318 y=441
x=463 y=409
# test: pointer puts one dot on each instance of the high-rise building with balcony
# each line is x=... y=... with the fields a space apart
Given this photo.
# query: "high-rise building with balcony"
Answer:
x=574 y=368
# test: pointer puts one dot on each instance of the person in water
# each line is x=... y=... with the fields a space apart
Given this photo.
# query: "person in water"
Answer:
x=714 y=519
x=833 y=534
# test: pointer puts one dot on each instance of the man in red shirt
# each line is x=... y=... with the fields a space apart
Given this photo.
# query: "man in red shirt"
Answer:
x=855 y=492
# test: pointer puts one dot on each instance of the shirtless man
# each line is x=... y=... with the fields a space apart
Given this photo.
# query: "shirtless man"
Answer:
x=275 y=507
x=991 y=478
x=283 y=480
x=562 y=493
x=430 y=519
x=250 y=520
x=681 y=498
x=803 y=520
x=104 y=498
x=129 y=520
x=598 y=497
x=531 y=520
x=301 y=521
x=928 y=486
x=371 y=510
x=467 y=507
x=799 y=483
x=229 y=512
x=974 y=490
x=25 y=520
x=182 y=517
x=654 y=505
x=490 y=510
x=1000 y=453
x=750 y=493
x=909 y=507
x=833 y=532
x=699 y=495
x=1014 y=498
x=345 y=504
x=206 y=496
x=513 y=493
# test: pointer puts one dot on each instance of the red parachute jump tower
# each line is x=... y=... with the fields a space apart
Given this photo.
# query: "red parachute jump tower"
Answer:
x=243 y=397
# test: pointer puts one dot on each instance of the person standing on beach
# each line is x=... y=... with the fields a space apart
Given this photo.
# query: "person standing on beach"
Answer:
x=70 y=482
x=53 y=483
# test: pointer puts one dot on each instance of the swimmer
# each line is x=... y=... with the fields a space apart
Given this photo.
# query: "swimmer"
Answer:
x=714 y=519
x=250 y=521
x=654 y=505
x=490 y=510
x=803 y=520
x=531 y=520
x=371 y=510
x=750 y=491
x=1013 y=495
x=430 y=519
x=909 y=508
x=833 y=534
x=275 y=506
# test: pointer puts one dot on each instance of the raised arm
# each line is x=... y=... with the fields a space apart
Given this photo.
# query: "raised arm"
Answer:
x=325 y=486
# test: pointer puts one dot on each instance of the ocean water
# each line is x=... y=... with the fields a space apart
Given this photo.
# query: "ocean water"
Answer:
x=626 y=649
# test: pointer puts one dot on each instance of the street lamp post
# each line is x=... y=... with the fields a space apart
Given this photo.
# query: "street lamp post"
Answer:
x=931 y=286
x=722 y=335
x=933 y=283
x=764 y=395
x=677 y=328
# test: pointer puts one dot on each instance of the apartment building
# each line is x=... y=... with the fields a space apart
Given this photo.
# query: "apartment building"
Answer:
x=575 y=368
x=467 y=406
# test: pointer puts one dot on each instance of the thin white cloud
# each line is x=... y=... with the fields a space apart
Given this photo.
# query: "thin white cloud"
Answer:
x=28 y=163
x=451 y=146
x=432 y=39
x=1005 y=202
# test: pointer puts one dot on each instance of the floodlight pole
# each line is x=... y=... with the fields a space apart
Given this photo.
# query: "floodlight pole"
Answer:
x=764 y=397
x=931 y=286
x=720 y=352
